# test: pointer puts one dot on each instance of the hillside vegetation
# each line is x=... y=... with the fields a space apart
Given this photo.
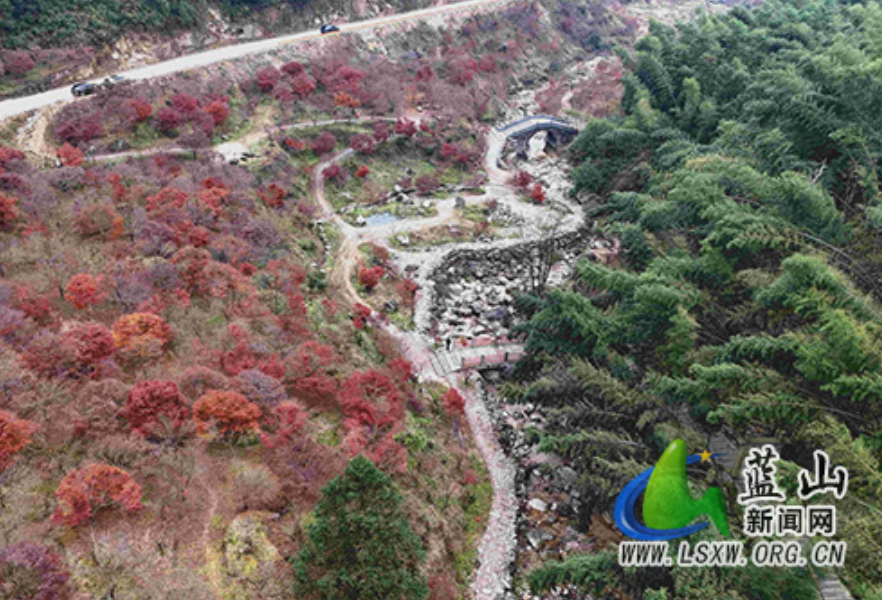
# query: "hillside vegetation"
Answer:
x=742 y=178
x=184 y=385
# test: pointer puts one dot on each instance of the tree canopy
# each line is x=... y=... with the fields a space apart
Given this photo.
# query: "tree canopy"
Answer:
x=360 y=545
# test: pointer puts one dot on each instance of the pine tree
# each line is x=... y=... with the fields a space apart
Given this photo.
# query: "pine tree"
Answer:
x=360 y=545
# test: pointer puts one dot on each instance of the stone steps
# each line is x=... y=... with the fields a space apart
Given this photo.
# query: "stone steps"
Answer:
x=832 y=589
x=436 y=365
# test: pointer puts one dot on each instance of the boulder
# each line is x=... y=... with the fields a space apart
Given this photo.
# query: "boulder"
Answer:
x=538 y=505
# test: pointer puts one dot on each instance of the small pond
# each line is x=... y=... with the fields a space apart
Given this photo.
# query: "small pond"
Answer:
x=383 y=218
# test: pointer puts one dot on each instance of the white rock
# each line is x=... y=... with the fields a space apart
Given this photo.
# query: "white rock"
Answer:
x=537 y=504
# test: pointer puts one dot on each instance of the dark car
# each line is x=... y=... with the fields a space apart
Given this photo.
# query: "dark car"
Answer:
x=84 y=88
x=329 y=29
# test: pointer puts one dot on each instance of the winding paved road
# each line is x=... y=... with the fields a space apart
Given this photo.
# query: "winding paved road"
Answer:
x=18 y=106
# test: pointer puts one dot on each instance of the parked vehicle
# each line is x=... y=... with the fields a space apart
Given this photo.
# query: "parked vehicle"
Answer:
x=328 y=28
x=84 y=88
x=112 y=80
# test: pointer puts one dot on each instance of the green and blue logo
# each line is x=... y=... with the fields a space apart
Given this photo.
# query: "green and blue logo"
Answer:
x=668 y=507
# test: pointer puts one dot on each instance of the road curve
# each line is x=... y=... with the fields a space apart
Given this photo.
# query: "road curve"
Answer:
x=18 y=106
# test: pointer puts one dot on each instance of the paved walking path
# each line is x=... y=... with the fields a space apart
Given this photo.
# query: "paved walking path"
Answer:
x=496 y=552
x=832 y=589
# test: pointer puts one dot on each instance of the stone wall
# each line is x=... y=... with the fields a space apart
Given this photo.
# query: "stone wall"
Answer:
x=474 y=290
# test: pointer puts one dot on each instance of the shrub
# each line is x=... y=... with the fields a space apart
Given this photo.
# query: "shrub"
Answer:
x=303 y=85
x=196 y=381
x=86 y=491
x=51 y=355
x=402 y=369
x=293 y=69
x=311 y=358
x=8 y=211
x=426 y=184
x=255 y=486
x=219 y=111
x=260 y=388
x=522 y=180
x=77 y=126
x=454 y=403
x=168 y=120
x=333 y=172
x=137 y=110
x=381 y=132
x=18 y=62
x=32 y=572
x=407 y=289
x=273 y=196
x=100 y=220
x=538 y=194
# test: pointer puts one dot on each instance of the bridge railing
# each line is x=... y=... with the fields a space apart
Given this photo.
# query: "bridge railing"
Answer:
x=496 y=351
x=508 y=126
x=485 y=341
x=489 y=360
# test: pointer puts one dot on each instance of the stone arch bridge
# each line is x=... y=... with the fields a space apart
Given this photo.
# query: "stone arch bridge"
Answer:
x=559 y=132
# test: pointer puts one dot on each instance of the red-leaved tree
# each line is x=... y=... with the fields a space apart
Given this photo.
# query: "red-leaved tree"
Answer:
x=381 y=132
x=219 y=111
x=70 y=156
x=371 y=400
x=370 y=277
x=84 y=291
x=290 y=418
x=137 y=110
x=86 y=491
x=427 y=183
x=92 y=343
x=324 y=143
x=362 y=143
x=267 y=78
x=405 y=127
x=229 y=412
x=8 y=211
x=154 y=406
x=15 y=434
x=130 y=329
